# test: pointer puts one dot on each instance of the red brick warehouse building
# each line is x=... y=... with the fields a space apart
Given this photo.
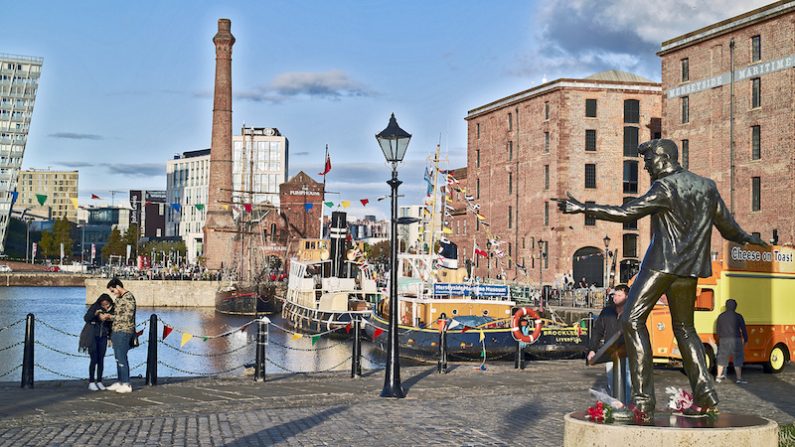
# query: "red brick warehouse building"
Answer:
x=747 y=149
x=575 y=135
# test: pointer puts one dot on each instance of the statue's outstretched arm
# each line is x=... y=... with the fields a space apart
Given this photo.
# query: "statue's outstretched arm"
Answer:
x=655 y=199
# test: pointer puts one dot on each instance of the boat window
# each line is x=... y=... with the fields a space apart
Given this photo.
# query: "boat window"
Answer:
x=705 y=300
x=455 y=311
x=486 y=313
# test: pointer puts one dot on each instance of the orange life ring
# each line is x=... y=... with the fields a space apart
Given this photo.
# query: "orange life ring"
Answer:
x=516 y=329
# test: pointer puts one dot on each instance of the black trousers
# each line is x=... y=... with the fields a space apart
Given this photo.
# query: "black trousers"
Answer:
x=97 y=363
x=649 y=285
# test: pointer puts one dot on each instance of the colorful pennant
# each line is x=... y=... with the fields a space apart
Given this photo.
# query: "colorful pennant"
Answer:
x=166 y=330
x=41 y=198
x=185 y=339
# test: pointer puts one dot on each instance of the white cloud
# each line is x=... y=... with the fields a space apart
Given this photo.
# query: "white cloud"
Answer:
x=332 y=84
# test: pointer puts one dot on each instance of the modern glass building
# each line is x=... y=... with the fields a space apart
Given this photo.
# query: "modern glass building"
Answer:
x=19 y=82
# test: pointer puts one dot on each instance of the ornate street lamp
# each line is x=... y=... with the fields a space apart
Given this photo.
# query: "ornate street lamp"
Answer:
x=606 y=278
x=393 y=141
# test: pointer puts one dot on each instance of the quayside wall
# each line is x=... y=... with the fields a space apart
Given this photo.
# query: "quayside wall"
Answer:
x=160 y=293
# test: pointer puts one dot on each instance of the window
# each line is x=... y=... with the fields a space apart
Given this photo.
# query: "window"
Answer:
x=685 y=69
x=510 y=183
x=590 y=108
x=630 y=245
x=589 y=220
x=546 y=110
x=630 y=225
x=477 y=126
x=510 y=150
x=756 y=48
x=756 y=186
x=477 y=187
x=686 y=154
x=590 y=175
x=631 y=141
x=546 y=142
x=756 y=93
x=630 y=177
x=685 y=109
x=477 y=157
x=756 y=137
x=590 y=139
x=546 y=177
x=510 y=121
x=546 y=213
x=510 y=216
x=631 y=111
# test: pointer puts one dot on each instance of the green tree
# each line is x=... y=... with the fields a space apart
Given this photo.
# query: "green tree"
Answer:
x=379 y=252
x=62 y=231
x=47 y=245
x=114 y=245
x=131 y=239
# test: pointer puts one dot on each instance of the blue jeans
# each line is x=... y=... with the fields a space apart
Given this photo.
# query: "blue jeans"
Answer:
x=627 y=384
x=121 y=344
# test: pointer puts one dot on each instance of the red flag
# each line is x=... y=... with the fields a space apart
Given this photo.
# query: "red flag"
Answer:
x=441 y=324
x=348 y=328
x=466 y=328
x=480 y=252
x=95 y=197
x=139 y=333
x=166 y=330
x=247 y=207
x=377 y=333
x=327 y=168
x=364 y=202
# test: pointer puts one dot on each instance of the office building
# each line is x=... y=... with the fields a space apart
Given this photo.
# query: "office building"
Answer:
x=47 y=194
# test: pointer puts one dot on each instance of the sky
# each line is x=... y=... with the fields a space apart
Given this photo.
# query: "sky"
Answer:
x=126 y=85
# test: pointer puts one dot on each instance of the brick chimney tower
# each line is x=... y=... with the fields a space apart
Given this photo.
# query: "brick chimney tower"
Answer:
x=219 y=227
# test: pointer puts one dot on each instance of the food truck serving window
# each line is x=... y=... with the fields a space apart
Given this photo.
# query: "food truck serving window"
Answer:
x=705 y=300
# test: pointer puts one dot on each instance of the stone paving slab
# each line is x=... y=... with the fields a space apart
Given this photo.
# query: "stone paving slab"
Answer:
x=499 y=406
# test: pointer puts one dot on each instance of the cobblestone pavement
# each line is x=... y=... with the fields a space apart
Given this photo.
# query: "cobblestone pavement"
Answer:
x=499 y=406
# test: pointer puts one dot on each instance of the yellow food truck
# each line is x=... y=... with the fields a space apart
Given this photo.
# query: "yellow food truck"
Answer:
x=762 y=281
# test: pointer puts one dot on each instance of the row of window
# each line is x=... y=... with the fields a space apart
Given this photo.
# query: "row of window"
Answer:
x=756 y=56
x=756 y=99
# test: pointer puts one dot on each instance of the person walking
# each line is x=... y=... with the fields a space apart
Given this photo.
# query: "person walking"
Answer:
x=732 y=338
x=94 y=339
x=607 y=325
x=123 y=328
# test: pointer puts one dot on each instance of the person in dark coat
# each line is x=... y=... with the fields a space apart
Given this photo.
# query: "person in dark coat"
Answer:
x=732 y=338
x=604 y=328
x=94 y=339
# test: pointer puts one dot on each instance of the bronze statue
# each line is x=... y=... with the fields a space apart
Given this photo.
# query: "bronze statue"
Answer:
x=683 y=208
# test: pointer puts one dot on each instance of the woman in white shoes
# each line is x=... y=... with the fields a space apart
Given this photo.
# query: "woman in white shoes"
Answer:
x=123 y=326
x=94 y=339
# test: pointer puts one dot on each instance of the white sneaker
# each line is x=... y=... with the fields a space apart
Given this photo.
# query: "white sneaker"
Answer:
x=124 y=388
x=113 y=387
x=92 y=386
x=100 y=386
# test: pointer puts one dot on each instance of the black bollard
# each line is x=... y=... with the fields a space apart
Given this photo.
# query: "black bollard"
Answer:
x=27 y=356
x=151 y=353
x=262 y=343
x=518 y=355
x=521 y=357
x=356 y=360
x=590 y=327
x=441 y=365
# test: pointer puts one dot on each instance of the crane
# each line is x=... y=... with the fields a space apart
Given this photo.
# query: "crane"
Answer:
x=113 y=197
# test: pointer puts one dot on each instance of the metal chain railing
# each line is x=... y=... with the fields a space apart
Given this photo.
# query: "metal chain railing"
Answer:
x=195 y=354
x=332 y=368
x=71 y=354
x=196 y=373
x=56 y=329
x=12 y=346
x=57 y=373
x=11 y=370
x=12 y=325
x=290 y=348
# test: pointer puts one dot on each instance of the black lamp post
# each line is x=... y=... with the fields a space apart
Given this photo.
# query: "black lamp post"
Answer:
x=393 y=141
x=541 y=271
x=606 y=279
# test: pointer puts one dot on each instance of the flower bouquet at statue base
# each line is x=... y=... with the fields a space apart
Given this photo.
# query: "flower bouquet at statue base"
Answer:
x=609 y=409
x=682 y=402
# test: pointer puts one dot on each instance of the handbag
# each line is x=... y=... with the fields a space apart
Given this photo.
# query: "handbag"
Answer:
x=134 y=342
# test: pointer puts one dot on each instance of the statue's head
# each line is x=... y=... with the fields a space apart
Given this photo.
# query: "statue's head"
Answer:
x=659 y=157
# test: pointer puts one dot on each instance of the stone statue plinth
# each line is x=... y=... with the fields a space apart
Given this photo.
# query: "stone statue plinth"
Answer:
x=672 y=430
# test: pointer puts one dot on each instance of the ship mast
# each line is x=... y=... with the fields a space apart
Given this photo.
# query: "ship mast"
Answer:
x=434 y=200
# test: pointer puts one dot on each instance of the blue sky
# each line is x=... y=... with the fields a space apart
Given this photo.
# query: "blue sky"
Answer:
x=126 y=85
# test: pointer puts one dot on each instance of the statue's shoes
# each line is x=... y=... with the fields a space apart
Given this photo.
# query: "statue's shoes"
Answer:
x=698 y=411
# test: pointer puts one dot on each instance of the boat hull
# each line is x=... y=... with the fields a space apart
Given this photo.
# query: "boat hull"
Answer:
x=247 y=300
x=312 y=321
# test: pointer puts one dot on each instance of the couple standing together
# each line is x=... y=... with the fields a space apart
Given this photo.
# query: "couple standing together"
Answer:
x=105 y=320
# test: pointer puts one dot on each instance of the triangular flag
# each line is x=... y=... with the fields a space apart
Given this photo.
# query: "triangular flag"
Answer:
x=139 y=333
x=346 y=203
x=176 y=206
x=364 y=202
x=348 y=328
x=482 y=335
x=199 y=206
x=296 y=336
x=41 y=198
x=481 y=217
x=327 y=167
x=205 y=338
x=315 y=338
x=441 y=323
x=226 y=207
x=14 y=196
x=329 y=204
x=74 y=201
x=166 y=330
x=453 y=324
x=247 y=207
x=446 y=230
x=308 y=206
x=185 y=338
x=466 y=328
x=95 y=197
x=378 y=331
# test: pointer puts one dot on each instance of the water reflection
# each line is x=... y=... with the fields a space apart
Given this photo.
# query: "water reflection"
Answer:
x=64 y=307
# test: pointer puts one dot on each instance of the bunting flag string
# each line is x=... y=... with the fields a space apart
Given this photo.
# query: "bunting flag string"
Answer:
x=41 y=198
x=308 y=206
x=364 y=202
x=186 y=336
x=345 y=204
x=329 y=204
x=247 y=207
x=199 y=206
x=73 y=199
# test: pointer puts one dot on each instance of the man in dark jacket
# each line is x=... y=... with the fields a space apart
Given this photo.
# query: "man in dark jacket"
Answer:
x=732 y=338
x=606 y=326
x=683 y=208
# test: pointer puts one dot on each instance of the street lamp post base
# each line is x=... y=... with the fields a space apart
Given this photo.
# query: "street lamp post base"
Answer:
x=393 y=391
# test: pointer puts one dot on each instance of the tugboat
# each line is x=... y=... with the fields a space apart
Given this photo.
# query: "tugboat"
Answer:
x=330 y=283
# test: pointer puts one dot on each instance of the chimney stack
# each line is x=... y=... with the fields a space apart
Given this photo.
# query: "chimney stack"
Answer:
x=219 y=225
